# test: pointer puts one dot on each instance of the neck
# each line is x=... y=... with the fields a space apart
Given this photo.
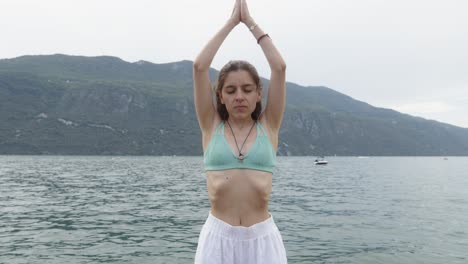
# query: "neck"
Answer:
x=240 y=123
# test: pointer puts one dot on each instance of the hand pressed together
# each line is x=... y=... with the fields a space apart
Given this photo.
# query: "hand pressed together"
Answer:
x=245 y=14
x=240 y=13
x=235 y=18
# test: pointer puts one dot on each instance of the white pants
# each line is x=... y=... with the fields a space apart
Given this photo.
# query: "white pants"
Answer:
x=222 y=243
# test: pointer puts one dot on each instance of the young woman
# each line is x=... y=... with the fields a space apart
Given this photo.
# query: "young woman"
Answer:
x=239 y=145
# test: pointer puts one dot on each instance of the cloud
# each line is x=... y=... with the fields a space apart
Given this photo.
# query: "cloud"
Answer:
x=432 y=107
x=448 y=111
x=386 y=53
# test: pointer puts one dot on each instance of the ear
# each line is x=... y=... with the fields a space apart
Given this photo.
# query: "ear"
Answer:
x=259 y=95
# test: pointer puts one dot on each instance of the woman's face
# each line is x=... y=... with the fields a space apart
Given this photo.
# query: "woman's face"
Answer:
x=240 y=94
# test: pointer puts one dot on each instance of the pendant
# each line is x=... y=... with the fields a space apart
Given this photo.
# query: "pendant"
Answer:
x=241 y=157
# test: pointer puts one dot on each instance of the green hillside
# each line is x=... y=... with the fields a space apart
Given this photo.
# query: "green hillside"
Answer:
x=59 y=104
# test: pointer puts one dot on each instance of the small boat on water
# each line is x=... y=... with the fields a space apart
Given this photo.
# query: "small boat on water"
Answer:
x=320 y=161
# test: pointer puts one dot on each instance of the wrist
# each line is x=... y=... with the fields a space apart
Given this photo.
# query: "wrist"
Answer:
x=249 y=23
x=232 y=23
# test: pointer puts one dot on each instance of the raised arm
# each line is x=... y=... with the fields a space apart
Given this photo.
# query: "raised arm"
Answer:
x=276 y=99
x=202 y=86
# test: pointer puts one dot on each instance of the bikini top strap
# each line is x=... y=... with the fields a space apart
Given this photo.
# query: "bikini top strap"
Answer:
x=261 y=128
x=220 y=127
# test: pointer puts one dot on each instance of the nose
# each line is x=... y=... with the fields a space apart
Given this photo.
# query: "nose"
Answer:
x=239 y=95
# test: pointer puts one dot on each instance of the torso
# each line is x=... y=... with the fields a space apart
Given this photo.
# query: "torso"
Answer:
x=240 y=196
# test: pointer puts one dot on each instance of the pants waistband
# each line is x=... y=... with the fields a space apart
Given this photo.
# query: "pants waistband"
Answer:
x=222 y=228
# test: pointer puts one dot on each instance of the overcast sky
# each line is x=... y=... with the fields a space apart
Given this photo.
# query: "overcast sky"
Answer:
x=408 y=55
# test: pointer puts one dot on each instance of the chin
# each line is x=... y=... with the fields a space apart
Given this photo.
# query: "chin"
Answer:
x=240 y=115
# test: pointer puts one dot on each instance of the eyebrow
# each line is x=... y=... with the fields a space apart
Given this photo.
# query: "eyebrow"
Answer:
x=244 y=85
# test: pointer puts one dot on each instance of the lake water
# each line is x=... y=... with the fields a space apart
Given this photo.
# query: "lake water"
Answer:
x=59 y=209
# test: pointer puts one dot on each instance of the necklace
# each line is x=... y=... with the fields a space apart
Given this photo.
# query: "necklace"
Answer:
x=241 y=156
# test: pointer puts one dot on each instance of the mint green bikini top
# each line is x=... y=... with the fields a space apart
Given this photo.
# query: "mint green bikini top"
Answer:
x=219 y=155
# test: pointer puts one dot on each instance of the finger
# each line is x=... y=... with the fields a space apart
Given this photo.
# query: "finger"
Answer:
x=236 y=7
x=245 y=9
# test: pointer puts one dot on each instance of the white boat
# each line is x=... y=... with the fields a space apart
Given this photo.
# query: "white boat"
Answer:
x=320 y=161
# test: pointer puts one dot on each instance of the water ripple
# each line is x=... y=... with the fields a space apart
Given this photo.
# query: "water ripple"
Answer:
x=56 y=209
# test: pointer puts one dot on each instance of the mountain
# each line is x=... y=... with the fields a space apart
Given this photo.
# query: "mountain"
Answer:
x=60 y=104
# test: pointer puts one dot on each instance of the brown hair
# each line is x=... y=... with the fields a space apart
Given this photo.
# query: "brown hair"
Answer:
x=236 y=65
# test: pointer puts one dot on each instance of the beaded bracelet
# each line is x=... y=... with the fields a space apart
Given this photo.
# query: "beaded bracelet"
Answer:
x=262 y=36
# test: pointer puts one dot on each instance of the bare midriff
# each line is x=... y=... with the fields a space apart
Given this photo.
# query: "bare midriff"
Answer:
x=239 y=197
